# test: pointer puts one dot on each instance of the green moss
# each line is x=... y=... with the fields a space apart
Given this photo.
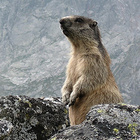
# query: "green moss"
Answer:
x=116 y=131
x=122 y=104
x=138 y=110
x=26 y=101
x=53 y=138
x=29 y=103
x=66 y=111
x=125 y=118
x=100 y=111
x=119 y=138
x=132 y=128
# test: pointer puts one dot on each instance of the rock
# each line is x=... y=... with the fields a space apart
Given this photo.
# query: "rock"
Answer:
x=106 y=122
x=5 y=128
x=25 y=118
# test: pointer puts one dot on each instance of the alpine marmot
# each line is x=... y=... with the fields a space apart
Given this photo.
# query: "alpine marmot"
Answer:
x=89 y=80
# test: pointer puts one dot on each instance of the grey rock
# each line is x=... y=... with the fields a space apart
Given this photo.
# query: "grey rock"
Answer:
x=106 y=122
x=5 y=128
x=25 y=118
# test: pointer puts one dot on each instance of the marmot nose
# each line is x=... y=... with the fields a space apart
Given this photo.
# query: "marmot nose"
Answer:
x=65 y=22
x=62 y=21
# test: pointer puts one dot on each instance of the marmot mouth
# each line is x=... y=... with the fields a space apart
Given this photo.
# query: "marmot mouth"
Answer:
x=66 y=32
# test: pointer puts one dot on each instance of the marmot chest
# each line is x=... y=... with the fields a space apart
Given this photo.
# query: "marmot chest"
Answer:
x=74 y=69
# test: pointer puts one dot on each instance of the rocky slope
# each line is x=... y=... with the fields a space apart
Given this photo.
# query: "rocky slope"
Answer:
x=34 y=52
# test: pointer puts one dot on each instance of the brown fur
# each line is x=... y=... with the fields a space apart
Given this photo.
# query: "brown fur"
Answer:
x=89 y=79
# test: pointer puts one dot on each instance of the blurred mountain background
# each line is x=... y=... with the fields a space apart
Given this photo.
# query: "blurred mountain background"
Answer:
x=34 y=52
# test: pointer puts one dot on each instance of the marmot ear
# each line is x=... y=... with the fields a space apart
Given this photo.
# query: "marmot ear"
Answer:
x=93 y=24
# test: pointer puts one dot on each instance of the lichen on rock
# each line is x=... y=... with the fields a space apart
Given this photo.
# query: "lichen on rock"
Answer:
x=106 y=122
x=5 y=128
x=27 y=118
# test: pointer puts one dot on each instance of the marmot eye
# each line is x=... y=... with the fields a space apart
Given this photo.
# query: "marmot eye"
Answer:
x=79 y=20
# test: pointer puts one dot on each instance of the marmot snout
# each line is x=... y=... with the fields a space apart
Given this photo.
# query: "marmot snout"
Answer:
x=65 y=24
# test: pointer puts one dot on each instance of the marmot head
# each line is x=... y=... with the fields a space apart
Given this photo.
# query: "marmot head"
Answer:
x=80 y=28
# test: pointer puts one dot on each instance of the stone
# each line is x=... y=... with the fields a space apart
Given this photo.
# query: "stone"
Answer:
x=28 y=118
x=106 y=122
x=5 y=128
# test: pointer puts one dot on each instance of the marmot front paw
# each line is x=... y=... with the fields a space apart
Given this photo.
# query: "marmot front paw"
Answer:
x=73 y=97
x=65 y=98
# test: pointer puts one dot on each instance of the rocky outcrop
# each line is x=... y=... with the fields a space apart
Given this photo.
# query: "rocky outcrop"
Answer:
x=24 y=118
x=106 y=122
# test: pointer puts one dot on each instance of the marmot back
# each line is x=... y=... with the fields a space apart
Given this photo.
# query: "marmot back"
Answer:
x=89 y=80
